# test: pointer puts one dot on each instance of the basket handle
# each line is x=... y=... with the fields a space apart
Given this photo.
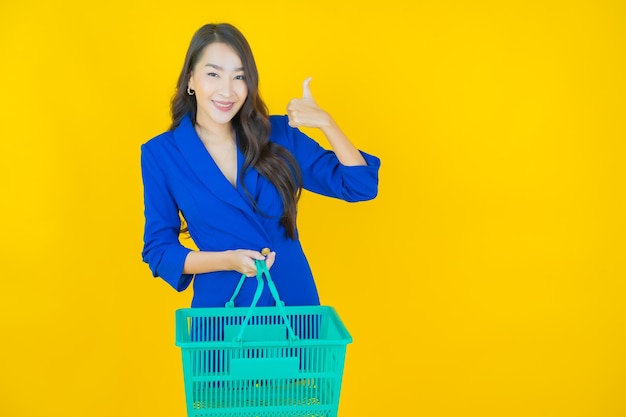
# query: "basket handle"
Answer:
x=257 y=294
x=261 y=269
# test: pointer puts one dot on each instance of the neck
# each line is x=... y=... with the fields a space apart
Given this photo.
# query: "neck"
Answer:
x=215 y=134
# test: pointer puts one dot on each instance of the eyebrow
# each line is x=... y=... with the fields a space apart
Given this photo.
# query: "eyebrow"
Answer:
x=217 y=67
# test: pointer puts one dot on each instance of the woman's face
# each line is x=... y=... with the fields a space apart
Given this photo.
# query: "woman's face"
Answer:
x=219 y=82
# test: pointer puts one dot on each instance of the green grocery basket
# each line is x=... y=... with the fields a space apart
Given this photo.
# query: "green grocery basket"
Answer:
x=282 y=361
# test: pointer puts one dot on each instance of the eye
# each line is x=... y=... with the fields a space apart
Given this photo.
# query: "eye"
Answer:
x=212 y=74
x=240 y=77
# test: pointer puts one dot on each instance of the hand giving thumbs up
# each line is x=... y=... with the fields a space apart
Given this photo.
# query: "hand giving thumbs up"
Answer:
x=305 y=112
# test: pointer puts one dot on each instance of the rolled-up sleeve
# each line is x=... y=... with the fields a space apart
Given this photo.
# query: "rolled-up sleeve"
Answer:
x=323 y=173
x=162 y=250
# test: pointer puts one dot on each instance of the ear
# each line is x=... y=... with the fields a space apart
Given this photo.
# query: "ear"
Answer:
x=190 y=82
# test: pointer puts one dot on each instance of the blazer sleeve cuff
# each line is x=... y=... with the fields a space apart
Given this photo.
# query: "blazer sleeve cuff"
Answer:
x=170 y=268
x=360 y=182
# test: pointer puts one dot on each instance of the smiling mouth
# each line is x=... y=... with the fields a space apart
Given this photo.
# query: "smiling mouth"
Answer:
x=223 y=106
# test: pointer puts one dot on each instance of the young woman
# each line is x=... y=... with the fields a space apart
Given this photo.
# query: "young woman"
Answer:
x=234 y=174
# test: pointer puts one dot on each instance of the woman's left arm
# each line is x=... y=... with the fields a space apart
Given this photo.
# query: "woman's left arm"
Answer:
x=304 y=112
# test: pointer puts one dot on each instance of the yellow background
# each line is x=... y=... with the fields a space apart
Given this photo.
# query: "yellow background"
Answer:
x=486 y=280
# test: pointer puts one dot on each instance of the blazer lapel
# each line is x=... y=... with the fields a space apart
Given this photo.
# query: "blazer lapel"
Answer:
x=205 y=168
x=250 y=179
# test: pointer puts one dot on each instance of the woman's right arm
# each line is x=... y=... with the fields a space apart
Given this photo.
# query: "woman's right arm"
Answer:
x=162 y=250
x=240 y=260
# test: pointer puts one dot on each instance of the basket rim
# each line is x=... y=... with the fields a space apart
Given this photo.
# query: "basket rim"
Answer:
x=182 y=314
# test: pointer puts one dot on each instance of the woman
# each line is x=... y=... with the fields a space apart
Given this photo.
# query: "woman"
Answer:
x=234 y=174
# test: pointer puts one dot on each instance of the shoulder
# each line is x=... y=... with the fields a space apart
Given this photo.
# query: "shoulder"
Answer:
x=159 y=139
x=168 y=139
x=278 y=119
x=280 y=124
x=281 y=132
x=159 y=143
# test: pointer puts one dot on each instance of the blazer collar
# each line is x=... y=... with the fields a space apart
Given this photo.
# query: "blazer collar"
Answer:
x=206 y=169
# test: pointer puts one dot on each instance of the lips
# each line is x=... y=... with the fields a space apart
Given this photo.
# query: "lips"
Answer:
x=223 y=105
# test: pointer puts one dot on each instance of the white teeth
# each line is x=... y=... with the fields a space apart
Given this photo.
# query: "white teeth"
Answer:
x=222 y=105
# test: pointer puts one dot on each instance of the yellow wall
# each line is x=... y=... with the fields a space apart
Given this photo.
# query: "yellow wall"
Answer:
x=485 y=280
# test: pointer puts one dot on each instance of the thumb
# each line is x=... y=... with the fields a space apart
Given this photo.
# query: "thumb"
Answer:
x=306 y=90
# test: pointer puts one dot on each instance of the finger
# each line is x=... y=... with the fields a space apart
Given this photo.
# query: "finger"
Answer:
x=270 y=259
x=251 y=270
x=291 y=122
x=306 y=89
x=255 y=255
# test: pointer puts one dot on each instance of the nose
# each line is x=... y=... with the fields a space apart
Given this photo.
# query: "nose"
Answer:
x=226 y=87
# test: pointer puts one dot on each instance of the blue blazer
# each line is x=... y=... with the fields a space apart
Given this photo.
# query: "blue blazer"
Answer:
x=179 y=175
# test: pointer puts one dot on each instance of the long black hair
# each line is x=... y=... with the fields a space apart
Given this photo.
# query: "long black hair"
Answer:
x=251 y=123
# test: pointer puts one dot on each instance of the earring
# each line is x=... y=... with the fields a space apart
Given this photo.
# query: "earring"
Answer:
x=190 y=91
